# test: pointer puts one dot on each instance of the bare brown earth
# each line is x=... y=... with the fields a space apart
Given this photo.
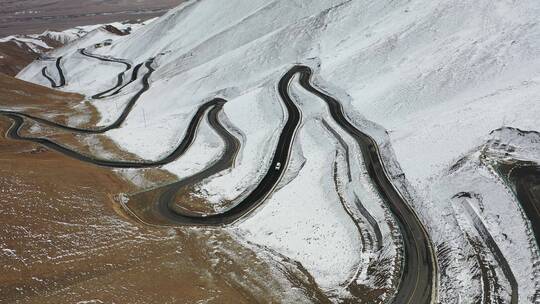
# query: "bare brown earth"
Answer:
x=15 y=92
x=44 y=102
x=14 y=57
x=36 y=16
x=65 y=239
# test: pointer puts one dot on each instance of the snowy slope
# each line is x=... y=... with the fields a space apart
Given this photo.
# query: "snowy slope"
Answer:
x=49 y=40
x=438 y=76
x=17 y=51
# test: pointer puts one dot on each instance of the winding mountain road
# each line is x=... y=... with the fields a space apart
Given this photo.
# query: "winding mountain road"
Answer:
x=120 y=78
x=417 y=284
x=419 y=269
x=14 y=133
x=134 y=75
x=418 y=276
x=165 y=204
x=60 y=74
x=18 y=121
x=107 y=93
x=98 y=130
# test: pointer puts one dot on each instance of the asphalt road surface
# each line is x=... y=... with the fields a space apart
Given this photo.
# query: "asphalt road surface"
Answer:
x=165 y=204
x=116 y=124
x=45 y=74
x=120 y=77
x=418 y=276
x=417 y=282
x=18 y=119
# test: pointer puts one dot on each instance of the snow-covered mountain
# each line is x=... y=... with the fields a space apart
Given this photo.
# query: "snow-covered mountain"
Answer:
x=17 y=51
x=430 y=81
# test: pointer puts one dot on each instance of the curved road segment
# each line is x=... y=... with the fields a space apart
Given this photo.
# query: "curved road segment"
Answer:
x=116 y=124
x=120 y=87
x=60 y=74
x=107 y=93
x=418 y=276
x=186 y=142
x=120 y=78
x=18 y=121
x=165 y=204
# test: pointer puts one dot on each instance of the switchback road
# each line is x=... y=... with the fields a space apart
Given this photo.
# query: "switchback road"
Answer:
x=99 y=130
x=164 y=206
x=417 y=284
x=60 y=74
x=419 y=269
x=120 y=78
x=14 y=133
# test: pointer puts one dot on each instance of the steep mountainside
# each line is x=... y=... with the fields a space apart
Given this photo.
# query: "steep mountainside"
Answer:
x=61 y=228
x=377 y=148
x=17 y=51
